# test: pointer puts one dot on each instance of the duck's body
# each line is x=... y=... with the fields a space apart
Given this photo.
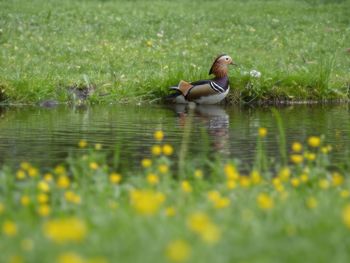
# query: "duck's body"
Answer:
x=210 y=91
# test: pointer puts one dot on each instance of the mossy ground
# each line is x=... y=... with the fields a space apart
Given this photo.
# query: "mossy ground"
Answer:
x=134 y=50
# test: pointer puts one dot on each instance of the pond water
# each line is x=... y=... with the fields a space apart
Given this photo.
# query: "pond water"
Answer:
x=46 y=136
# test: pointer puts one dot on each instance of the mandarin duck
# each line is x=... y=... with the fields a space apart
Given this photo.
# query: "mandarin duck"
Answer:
x=205 y=91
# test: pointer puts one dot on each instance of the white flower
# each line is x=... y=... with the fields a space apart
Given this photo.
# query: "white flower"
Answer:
x=255 y=74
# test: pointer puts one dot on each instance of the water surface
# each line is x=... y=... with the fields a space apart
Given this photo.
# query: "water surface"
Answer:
x=45 y=136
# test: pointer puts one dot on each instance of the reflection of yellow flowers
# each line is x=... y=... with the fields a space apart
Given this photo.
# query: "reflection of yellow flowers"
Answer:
x=346 y=216
x=156 y=150
x=314 y=141
x=168 y=149
x=296 y=158
x=311 y=202
x=146 y=202
x=152 y=179
x=297 y=147
x=115 y=178
x=9 y=228
x=158 y=135
x=178 y=251
x=70 y=257
x=231 y=172
x=262 y=132
x=186 y=186
x=82 y=143
x=146 y=162
x=265 y=202
x=63 y=181
x=65 y=230
x=202 y=225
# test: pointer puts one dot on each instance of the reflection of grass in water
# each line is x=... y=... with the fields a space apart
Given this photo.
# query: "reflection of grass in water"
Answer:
x=134 y=50
x=83 y=210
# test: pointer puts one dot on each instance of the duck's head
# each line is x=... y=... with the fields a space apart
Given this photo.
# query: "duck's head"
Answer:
x=219 y=67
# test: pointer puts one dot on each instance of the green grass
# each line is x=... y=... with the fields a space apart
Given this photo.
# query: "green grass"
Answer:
x=303 y=216
x=134 y=50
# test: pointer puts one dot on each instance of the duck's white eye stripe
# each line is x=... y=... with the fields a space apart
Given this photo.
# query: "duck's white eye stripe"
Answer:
x=216 y=87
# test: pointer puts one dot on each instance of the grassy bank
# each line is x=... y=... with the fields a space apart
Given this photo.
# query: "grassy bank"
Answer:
x=85 y=211
x=132 y=51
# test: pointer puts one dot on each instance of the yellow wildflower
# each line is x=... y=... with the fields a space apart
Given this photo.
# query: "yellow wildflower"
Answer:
x=44 y=210
x=284 y=174
x=146 y=202
x=214 y=195
x=337 y=179
x=115 y=178
x=244 y=181
x=167 y=149
x=158 y=135
x=2 y=208
x=72 y=197
x=295 y=181
x=198 y=174
x=311 y=202
x=82 y=144
x=346 y=216
x=170 y=211
x=20 y=175
x=297 y=147
x=296 y=158
x=304 y=177
x=198 y=222
x=255 y=177
x=343 y=193
x=93 y=166
x=98 y=146
x=231 y=184
x=163 y=168
x=231 y=172
x=156 y=150
x=186 y=186
x=25 y=165
x=178 y=251
x=48 y=177
x=222 y=202
x=60 y=170
x=262 y=132
x=152 y=179
x=32 y=172
x=70 y=257
x=146 y=163
x=65 y=230
x=211 y=234
x=42 y=198
x=9 y=228
x=16 y=259
x=43 y=186
x=149 y=43
x=323 y=183
x=310 y=156
x=63 y=181
x=265 y=202
x=314 y=141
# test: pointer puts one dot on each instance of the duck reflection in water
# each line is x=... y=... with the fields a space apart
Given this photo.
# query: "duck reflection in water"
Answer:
x=213 y=118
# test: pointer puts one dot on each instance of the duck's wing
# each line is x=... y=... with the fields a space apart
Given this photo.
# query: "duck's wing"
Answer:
x=202 y=89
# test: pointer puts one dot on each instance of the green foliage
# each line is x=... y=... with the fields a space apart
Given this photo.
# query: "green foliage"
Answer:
x=135 y=50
